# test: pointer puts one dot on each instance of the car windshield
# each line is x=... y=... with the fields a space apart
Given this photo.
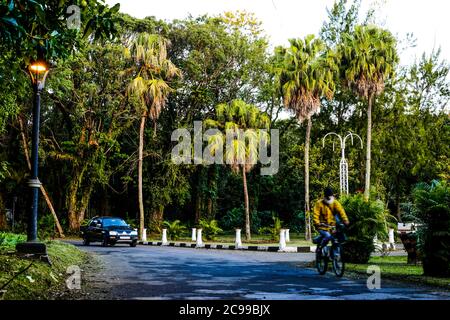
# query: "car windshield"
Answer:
x=114 y=223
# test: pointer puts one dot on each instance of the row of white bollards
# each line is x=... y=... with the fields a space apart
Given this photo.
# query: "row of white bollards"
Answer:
x=197 y=237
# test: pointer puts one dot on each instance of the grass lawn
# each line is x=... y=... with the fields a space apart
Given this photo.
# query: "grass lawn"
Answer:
x=40 y=281
x=396 y=268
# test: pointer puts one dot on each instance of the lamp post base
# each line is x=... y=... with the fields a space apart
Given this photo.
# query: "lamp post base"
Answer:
x=36 y=248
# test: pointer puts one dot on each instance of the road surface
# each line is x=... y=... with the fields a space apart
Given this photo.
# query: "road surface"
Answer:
x=148 y=272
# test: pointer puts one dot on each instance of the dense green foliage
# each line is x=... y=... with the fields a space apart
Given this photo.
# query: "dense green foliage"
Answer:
x=94 y=111
x=210 y=229
x=175 y=229
x=432 y=210
x=369 y=219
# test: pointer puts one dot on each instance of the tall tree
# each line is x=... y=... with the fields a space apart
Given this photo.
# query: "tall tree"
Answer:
x=89 y=94
x=150 y=86
x=242 y=151
x=368 y=59
x=306 y=76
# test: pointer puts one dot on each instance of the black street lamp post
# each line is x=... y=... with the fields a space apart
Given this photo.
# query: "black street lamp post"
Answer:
x=38 y=71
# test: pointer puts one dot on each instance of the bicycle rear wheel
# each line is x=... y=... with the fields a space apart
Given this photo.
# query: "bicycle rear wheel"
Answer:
x=338 y=263
x=321 y=262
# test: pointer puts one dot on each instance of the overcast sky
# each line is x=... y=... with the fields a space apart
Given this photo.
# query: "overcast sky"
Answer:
x=283 y=19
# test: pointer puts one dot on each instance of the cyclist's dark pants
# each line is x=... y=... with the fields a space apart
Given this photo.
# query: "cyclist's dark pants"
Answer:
x=326 y=236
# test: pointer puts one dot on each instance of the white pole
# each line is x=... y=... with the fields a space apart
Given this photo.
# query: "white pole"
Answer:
x=199 y=238
x=194 y=236
x=391 y=239
x=282 y=239
x=287 y=236
x=164 y=237
x=238 y=241
x=144 y=235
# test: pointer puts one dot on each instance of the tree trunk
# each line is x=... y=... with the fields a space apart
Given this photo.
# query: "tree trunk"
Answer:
x=397 y=208
x=212 y=192
x=72 y=199
x=156 y=219
x=307 y=208
x=247 y=209
x=43 y=191
x=198 y=207
x=3 y=222
x=368 y=148
x=140 y=195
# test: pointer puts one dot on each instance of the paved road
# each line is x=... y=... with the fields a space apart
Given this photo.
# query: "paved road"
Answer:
x=147 y=272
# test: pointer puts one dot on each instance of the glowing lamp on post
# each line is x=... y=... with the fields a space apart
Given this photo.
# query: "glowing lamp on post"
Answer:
x=38 y=70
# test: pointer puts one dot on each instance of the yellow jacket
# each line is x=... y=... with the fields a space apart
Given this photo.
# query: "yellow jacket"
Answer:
x=324 y=213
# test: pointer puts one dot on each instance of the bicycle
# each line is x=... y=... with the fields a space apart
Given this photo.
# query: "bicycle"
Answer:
x=333 y=252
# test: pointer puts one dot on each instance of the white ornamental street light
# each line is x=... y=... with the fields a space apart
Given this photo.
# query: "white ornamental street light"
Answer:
x=343 y=166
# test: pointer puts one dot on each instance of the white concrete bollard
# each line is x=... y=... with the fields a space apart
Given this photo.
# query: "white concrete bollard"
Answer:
x=144 y=235
x=391 y=239
x=238 y=241
x=164 y=237
x=282 y=239
x=194 y=235
x=376 y=243
x=287 y=236
x=199 y=238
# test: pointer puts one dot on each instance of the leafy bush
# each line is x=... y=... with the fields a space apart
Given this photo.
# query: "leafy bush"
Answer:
x=432 y=203
x=46 y=227
x=260 y=219
x=233 y=219
x=274 y=230
x=175 y=229
x=367 y=219
x=210 y=229
x=11 y=239
x=297 y=223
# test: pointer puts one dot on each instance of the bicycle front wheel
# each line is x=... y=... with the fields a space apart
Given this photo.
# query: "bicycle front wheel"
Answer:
x=321 y=263
x=338 y=263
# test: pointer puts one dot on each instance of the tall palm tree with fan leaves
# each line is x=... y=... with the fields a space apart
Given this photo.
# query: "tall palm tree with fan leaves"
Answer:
x=368 y=58
x=242 y=153
x=150 y=87
x=306 y=72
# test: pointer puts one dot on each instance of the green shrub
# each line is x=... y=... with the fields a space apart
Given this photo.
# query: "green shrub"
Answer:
x=273 y=230
x=175 y=229
x=210 y=229
x=11 y=239
x=297 y=223
x=233 y=219
x=260 y=219
x=432 y=203
x=46 y=227
x=367 y=219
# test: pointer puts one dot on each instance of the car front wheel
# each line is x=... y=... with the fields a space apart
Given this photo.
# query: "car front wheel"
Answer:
x=105 y=242
x=86 y=241
x=133 y=244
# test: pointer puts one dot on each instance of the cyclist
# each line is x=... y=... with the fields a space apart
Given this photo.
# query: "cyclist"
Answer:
x=326 y=212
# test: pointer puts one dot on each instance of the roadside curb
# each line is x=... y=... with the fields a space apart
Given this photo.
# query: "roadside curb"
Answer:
x=304 y=249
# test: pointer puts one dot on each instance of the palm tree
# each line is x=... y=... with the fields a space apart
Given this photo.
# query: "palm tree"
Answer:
x=305 y=76
x=368 y=58
x=235 y=119
x=150 y=87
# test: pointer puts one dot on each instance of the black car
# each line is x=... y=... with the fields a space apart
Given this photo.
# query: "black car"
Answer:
x=108 y=231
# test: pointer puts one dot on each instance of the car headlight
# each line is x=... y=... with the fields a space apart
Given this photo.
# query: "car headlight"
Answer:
x=113 y=233
x=133 y=233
